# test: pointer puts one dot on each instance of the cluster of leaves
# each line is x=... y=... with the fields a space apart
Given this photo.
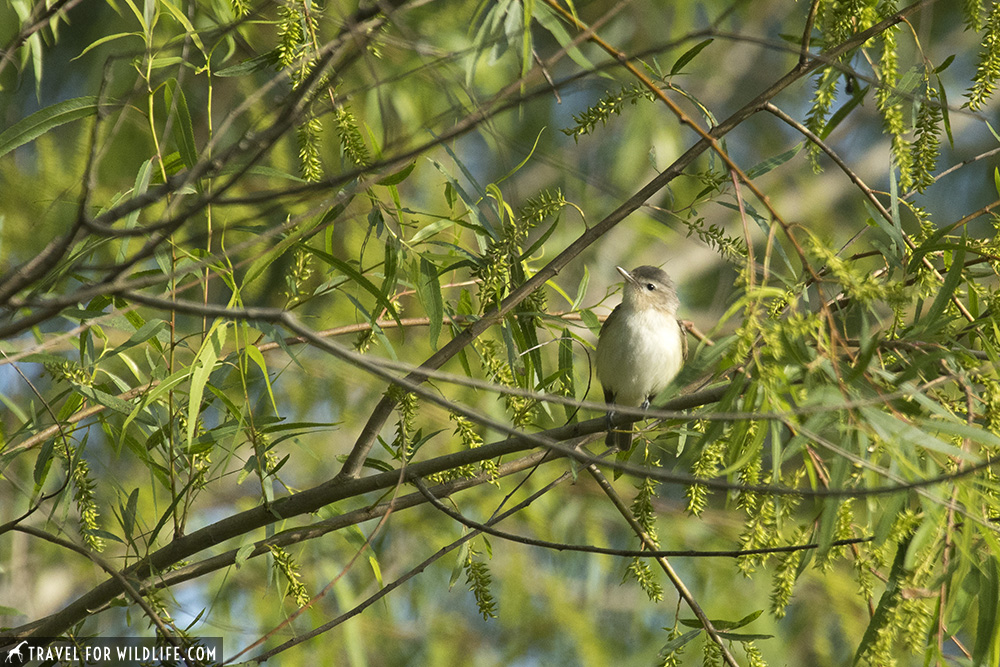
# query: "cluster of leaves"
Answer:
x=479 y=580
x=611 y=104
x=638 y=569
x=888 y=422
x=915 y=145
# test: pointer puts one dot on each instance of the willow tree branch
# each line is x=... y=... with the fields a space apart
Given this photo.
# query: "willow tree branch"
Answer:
x=650 y=543
x=434 y=500
x=409 y=575
x=42 y=13
x=110 y=569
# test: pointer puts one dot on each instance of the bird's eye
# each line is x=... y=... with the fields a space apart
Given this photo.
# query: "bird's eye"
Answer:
x=650 y=286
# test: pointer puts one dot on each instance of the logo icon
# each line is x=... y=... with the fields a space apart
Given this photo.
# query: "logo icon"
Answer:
x=16 y=651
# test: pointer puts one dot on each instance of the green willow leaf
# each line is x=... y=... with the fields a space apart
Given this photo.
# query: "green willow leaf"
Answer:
x=429 y=293
x=677 y=642
x=204 y=364
x=688 y=56
x=44 y=120
x=399 y=176
x=356 y=276
x=987 y=637
x=175 y=100
x=770 y=163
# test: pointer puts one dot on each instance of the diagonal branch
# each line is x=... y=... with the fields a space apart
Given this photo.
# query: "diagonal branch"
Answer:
x=650 y=543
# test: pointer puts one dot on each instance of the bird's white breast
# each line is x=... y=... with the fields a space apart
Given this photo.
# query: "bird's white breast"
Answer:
x=640 y=356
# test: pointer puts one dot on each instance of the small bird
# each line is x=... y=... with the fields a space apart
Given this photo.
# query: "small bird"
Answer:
x=641 y=346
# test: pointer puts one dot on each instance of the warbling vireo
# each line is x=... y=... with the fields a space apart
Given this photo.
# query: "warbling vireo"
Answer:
x=641 y=346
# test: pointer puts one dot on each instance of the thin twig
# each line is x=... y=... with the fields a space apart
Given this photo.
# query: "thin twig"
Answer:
x=110 y=569
x=664 y=564
x=624 y=553
x=409 y=575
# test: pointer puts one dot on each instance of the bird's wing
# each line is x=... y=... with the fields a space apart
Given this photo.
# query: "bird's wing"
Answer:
x=615 y=314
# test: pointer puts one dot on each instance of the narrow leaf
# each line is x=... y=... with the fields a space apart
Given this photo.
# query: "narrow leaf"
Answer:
x=933 y=316
x=256 y=64
x=204 y=364
x=43 y=462
x=182 y=18
x=548 y=20
x=44 y=120
x=689 y=55
x=429 y=293
x=138 y=189
x=243 y=554
x=677 y=642
x=144 y=333
x=945 y=65
x=356 y=276
x=106 y=39
x=566 y=370
x=399 y=176
x=770 y=163
x=128 y=515
x=581 y=290
x=988 y=618
x=840 y=114
x=105 y=399
x=376 y=570
x=254 y=354
x=719 y=624
x=176 y=101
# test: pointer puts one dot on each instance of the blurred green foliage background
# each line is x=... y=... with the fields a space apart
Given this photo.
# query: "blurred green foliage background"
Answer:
x=389 y=174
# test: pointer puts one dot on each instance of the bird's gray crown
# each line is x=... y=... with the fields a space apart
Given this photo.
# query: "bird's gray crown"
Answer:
x=649 y=287
x=647 y=272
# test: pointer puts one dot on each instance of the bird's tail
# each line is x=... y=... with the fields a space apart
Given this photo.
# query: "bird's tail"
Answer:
x=619 y=439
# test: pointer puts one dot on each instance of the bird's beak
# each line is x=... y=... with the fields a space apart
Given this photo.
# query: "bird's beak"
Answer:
x=626 y=275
